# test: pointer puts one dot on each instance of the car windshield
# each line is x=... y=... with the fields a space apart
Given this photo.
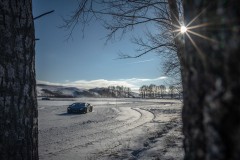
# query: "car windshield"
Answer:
x=77 y=105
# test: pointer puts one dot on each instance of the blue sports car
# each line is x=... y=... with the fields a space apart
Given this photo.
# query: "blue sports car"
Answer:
x=80 y=108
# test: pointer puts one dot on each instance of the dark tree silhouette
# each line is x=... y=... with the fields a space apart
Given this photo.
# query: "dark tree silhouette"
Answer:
x=172 y=91
x=211 y=113
x=18 y=102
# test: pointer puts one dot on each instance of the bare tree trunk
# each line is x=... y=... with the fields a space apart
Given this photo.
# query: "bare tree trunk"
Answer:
x=211 y=113
x=178 y=40
x=18 y=103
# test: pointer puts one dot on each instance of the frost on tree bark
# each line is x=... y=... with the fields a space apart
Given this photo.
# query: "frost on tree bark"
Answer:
x=211 y=112
x=18 y=105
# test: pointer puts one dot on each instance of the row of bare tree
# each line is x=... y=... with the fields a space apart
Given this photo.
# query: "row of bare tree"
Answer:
x=119 y=91
x=161 y=91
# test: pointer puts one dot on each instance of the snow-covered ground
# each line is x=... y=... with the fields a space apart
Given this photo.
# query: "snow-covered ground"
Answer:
x=116 y=129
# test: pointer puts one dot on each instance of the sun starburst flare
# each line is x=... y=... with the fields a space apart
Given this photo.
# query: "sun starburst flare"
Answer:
x=183 y=29
x=188 y=28
x=189 y=31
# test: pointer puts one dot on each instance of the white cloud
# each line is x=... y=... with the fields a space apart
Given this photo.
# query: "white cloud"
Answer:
x=99 y=83
x=137 y=80
x=163 y=77
x=133 y=83
x=48 y=83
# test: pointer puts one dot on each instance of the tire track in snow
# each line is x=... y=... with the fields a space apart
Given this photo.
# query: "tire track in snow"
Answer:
x=107 y=136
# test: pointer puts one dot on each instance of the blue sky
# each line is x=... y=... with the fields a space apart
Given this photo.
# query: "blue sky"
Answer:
x=87 y=62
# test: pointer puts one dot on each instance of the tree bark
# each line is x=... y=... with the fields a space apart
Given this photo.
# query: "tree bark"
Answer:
x=211 y=112
x=18 y=103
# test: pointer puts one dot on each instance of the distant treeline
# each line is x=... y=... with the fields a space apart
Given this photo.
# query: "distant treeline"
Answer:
x=161 y=91
x=120 y=91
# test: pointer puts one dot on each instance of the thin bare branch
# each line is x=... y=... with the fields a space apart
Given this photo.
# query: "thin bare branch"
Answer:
x=44 y=14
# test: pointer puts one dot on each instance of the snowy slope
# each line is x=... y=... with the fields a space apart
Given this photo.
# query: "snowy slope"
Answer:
x=64 y=91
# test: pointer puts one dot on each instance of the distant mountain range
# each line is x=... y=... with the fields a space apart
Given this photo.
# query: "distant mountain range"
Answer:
x=44 y=90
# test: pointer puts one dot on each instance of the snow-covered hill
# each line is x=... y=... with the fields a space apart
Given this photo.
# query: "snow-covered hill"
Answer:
x=44 y=90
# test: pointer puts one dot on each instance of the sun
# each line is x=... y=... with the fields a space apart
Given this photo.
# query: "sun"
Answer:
x=189 y=30
x=183 y=29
